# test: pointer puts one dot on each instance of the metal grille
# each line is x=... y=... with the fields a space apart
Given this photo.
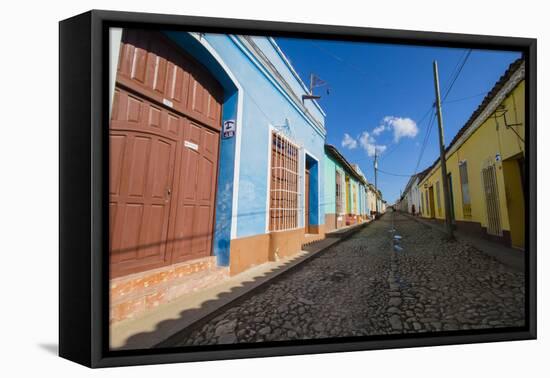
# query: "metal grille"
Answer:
x=283 y=211
x=465 y=188
x=339 y=193
x=348 y=196
x=491 y=200
x=354 y=191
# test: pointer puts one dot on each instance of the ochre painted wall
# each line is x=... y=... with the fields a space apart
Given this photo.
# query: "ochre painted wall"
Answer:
x=482 y=148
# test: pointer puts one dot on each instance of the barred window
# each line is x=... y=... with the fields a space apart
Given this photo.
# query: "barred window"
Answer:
x=339 y=193
x=355 y=203
x=283 y=210
x=348 y=196
x=465 y=186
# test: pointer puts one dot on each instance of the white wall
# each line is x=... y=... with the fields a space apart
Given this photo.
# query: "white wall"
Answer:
x=29 y=229
x=413 y=197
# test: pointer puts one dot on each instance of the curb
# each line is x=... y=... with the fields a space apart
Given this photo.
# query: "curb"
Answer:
x=471 y=242
x=423 y=222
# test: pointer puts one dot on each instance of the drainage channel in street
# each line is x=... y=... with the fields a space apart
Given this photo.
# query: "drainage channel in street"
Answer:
x=396 y=283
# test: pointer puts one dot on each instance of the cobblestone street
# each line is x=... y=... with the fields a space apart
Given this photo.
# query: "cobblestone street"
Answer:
x=362 y=286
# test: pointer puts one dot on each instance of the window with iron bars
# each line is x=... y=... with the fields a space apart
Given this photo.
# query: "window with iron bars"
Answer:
x=355 y=203
x=339 y=193
x=465 y=188
x=284 y=194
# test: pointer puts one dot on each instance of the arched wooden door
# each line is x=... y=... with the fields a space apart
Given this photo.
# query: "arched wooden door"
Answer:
x=164 y=138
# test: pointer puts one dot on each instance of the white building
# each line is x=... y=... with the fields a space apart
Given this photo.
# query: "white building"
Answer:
x=411 y=195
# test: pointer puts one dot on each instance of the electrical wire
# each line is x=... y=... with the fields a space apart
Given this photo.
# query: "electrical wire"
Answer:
x=422 y=119
x=465 y=98
x=428 y=131
x=393 y=174
x=453 y=81
x=351 y=65
x=455 y=69
x=426 y=137
x=390 y=151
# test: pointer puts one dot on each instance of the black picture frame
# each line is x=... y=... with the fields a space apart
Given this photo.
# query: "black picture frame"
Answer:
x=83 y=181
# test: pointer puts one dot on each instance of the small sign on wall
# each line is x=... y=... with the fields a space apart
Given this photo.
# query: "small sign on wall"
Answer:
x=191 y=145
x=167 y=102
x=229 y=128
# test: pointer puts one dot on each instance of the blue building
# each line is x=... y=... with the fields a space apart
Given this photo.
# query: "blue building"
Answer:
x=230 y=170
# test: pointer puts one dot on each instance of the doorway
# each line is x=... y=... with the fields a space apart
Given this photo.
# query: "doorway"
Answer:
x=432 y=202
x=311 y=195
x=515 y=200
x=451 y=197
x=163 y=159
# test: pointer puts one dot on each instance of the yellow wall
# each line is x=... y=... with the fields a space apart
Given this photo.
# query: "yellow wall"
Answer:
x=371 y=198
x=483 y=145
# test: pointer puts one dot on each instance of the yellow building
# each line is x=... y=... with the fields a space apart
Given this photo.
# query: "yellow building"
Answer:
x=485 y=166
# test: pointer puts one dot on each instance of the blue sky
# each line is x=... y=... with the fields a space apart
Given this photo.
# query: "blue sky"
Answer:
x=379 y=93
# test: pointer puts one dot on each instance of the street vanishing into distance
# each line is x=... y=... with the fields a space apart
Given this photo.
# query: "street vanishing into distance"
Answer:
x=393 y=276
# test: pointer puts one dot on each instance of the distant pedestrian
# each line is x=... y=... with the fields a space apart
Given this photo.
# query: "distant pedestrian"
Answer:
x=413 y=209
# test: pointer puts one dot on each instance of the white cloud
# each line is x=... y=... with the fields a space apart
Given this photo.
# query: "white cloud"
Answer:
x=402 y=127
x=368 y=143
x=349 y=142
x=378 y=130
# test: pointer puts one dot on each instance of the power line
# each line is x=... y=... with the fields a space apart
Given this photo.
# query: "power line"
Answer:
x=351 y=65
x=394 y=174
x=391 y=150
x=422 y=119
x=465 y=98
x=424 y=142
x=453 y=81
x=426 y=137
x=428 y=131
x=455 y=69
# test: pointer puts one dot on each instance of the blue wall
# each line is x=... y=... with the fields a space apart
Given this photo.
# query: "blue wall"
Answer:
x=264 y=106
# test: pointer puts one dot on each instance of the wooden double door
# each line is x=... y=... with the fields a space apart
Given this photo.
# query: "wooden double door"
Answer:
x=164 y=142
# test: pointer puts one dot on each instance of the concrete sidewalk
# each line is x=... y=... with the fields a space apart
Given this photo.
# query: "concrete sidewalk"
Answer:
x=158 y=325
x=514 y=258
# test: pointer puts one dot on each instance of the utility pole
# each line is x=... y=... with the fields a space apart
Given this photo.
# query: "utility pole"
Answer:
x=376 y=178
x=445 y=181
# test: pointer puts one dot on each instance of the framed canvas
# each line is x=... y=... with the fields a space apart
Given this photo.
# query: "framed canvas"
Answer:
x=235 y=188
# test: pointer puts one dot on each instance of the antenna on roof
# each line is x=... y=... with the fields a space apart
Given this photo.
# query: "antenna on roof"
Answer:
x=314 y=82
